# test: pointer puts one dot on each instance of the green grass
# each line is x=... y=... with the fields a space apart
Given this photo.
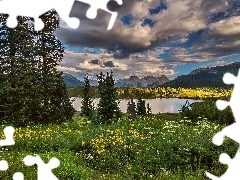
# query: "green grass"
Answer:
x=151 y=147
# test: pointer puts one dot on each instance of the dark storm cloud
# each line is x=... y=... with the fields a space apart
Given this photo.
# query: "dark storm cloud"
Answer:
x=95 y=61
x=109 y=64
x=92 y=33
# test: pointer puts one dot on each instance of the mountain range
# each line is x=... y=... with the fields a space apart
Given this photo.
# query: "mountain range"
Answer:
x=148 y=81
x=71 y=80
x=132 y=81
x=201 y=77
x=205 y=77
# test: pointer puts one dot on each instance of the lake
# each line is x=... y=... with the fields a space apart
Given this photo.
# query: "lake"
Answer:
x=164 y=105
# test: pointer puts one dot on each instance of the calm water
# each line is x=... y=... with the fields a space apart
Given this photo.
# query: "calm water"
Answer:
x=157 y=105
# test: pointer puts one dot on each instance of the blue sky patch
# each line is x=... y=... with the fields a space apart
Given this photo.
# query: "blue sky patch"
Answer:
x=127 y=19
x=158 y=9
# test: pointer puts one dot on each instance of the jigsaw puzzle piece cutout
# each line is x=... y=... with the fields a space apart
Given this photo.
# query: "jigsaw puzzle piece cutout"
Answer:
x=221 y=104
x=44 y=170
x=18 y=176
x=25 y=8
x=35 y=9
x=234 y=100
x=8 y=132
x=231 y=131
x=232 y=172
x=100 y=4
x=63 y=8
x=3 y=165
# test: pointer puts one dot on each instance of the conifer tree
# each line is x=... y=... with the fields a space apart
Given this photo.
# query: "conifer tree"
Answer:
x=100 y=79
x=18 y=76
x=32 y=91
x=149 y=109
x=141 y=108
x=87 y=107
x=108 y=108
x=131 y=109
x=57 y=106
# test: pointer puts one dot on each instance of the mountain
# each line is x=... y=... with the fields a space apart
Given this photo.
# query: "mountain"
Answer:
x=148 y=81
x=93 y=82
x=205 y=77
x=71 y=80
x=132 y=81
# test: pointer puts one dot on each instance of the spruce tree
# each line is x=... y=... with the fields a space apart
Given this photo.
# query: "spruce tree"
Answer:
x=149 y=109
x=108 y=108
x=100 y=79
x=57 y=105
x=87 y=107
x=141 y=108
x=131 y=109
x=18 y=76
x=32 y=91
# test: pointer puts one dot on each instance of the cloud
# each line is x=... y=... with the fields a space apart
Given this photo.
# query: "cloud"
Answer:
x=67 y=69
x=218 y=63
x=169 y=24
x=79 y=64
x=133 y=48
x=109 y=64
x=95 y=61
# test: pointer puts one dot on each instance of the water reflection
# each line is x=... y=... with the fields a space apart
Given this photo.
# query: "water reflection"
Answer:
x=164 y=105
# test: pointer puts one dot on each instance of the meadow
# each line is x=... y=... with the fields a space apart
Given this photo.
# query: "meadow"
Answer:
x=161 y=146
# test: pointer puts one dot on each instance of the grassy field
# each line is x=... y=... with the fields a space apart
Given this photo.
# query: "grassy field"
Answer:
x=163 y=146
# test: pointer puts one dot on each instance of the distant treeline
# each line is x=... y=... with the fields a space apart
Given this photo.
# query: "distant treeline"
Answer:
x=159 y=92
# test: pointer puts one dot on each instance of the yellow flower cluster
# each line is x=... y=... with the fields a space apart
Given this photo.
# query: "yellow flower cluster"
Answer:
x=32 y=134
x=135 y=133
x=114 y=137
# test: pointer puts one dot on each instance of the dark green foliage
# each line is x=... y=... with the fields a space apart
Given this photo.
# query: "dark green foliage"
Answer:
x=108 y=108
x=100 y=79
x=209 y=77
x=209 y=110
x=87 y=107
x=32 y=91
x=149 y=109
x=131 y=109
x=141 y=108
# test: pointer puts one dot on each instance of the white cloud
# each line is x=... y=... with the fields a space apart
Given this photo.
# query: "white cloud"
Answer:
x=229 y=26
x=67 y=69
x=135 y=64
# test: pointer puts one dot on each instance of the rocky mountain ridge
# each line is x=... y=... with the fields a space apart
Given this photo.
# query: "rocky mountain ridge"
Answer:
x=148 y=81
x=132 y=81
x=205 y=77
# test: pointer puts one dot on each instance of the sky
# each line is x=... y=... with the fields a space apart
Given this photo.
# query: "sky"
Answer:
x=152 y=38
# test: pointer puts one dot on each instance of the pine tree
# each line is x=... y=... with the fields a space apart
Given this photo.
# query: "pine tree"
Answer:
x=100 y=79
x=18 y=76
x=131 y=109
x=149 y=109
x=141 y=108
x=87 y=107
x=57 y=105
x=32 y=91
x=108 y=108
